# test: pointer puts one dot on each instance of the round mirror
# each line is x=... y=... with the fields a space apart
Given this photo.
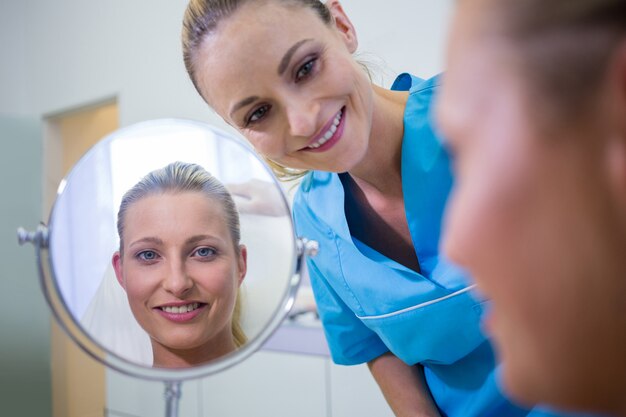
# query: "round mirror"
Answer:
x=180 y=298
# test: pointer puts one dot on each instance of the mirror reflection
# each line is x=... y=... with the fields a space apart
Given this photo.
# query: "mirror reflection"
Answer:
x=181 y=263
x=160 y=246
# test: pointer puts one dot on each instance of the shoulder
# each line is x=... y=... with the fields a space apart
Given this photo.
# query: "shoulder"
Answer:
x=312 y=185
x=421 y=94
x=416 y=85
x=317 y=195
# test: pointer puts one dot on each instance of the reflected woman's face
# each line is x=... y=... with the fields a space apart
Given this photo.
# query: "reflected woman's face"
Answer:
x=181 y=273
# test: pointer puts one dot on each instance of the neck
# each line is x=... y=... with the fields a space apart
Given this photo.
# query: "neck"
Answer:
x=166 y=357
x=380 y=168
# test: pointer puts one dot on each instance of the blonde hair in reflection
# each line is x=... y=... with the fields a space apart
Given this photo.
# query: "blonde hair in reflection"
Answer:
x=180 y=177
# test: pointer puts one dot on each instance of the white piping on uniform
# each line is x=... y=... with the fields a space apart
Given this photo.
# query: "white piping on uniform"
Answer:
x=427 y=303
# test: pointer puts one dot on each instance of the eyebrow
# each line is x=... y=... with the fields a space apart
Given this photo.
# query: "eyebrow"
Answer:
x=158 y=241
x=243 y=103
x=198 y=238
x=284 y=63
x=154 y=240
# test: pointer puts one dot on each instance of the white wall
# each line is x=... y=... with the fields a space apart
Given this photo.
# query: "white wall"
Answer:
x=12 y=58
x=78 y=52
x=409 y=36
x=62 y=54
x=25 y=331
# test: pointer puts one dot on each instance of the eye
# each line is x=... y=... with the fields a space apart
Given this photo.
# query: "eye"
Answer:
x=258 y=114
x=205 y=252
x=147 y=255
x=305 y=70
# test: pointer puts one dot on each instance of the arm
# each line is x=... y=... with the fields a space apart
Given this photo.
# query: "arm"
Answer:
x=403 y=386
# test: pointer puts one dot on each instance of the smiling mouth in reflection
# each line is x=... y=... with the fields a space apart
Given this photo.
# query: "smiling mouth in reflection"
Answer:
x=182 y=313
x=182 y=309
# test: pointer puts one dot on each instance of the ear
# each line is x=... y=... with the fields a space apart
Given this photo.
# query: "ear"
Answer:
x=117 y=266
x=243 y=262
x=343 y=25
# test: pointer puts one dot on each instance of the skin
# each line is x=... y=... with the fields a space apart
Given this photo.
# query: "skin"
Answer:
x=178 y=250
x=538 y=218
x=281 y=113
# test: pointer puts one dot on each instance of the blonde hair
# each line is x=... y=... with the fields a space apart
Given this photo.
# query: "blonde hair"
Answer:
x=180 y=177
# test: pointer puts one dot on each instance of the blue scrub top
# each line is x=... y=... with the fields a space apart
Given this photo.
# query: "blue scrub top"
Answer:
x=370 y=304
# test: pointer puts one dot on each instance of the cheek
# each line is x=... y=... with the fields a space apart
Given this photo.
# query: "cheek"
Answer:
x=345 y=77
x=458 y=225
x=476 y=215
x=219 y=280
x=361 y=88
x=139 y=284
x=268 y=141
x=488 y=225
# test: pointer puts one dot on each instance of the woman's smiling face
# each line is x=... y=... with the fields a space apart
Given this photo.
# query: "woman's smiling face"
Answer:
x=296 y=93
x=180 y=270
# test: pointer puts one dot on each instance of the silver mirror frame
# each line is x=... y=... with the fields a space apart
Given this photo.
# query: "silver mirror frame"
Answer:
x=52 y=293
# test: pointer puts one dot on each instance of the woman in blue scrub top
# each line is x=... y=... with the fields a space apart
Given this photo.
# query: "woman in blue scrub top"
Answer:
x=371 y=304
x=376 y=179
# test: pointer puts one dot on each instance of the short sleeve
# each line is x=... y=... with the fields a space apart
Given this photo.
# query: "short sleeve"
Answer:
x=349 y=340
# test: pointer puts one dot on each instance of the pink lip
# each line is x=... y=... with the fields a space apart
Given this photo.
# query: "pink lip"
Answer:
x=333 y=139
x=181 y=317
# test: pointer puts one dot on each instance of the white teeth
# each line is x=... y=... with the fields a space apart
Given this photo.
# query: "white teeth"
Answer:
x=329 y=133
x=181 y=309
x=337 y=118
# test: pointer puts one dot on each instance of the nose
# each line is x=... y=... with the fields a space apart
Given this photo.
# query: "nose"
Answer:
x=177 y=282
x=302 y=116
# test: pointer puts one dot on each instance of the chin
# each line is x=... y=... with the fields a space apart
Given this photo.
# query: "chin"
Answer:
x=526 y=386
x=522 y=377
x=518 y=386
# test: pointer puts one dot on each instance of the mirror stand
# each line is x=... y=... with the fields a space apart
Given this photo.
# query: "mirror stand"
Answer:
x=172 y=398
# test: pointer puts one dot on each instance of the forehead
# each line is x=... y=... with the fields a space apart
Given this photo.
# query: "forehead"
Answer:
x=166 y=212
x=479 y=57
x=474 y=33
x=247 y=48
